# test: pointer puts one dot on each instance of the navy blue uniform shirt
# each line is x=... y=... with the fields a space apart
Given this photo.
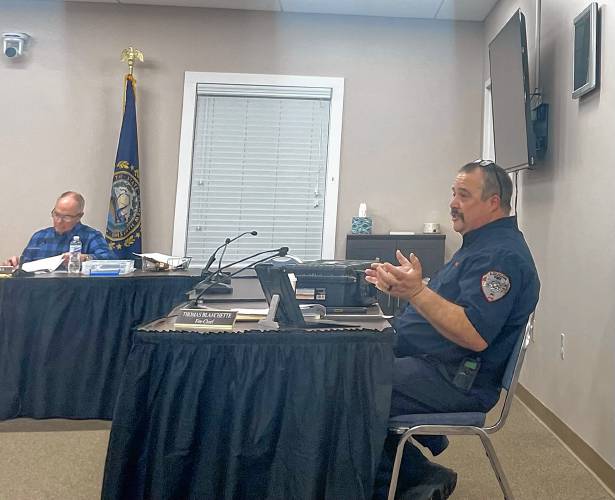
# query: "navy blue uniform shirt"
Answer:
x=491 y=258
x=47 y=243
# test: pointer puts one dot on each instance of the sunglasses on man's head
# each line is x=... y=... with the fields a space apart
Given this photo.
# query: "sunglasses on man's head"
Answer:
x=488 y=164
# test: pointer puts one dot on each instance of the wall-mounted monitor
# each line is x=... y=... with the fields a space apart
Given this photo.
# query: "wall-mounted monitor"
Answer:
x=585 y=56
x=514 y=140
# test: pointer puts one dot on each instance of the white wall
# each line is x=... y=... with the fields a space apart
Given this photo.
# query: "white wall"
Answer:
x=412 y=107
x=566 y=212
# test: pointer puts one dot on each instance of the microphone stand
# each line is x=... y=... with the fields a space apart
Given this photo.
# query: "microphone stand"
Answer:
x=282 y=251
x=279 y=252
x=219 y=277
x=205 y=272
x=222 y=257
x=212 y=258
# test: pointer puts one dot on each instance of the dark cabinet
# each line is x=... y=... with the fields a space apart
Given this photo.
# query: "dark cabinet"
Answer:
x=429 y=248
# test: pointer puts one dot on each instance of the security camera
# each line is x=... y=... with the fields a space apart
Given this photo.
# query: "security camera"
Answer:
x=13 y=44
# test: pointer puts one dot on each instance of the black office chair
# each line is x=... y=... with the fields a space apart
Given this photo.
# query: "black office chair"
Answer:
x=466 y=423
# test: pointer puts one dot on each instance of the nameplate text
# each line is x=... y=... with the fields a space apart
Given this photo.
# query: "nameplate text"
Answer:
x=205 y=319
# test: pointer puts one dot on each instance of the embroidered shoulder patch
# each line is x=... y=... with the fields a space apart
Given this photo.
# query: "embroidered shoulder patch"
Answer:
x=494 y=285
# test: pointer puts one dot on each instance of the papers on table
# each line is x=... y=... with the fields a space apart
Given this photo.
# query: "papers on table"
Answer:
x=243 y=314
x=48 y=264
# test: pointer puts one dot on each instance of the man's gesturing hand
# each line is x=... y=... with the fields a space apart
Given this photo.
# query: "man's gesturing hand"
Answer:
x=405 y=280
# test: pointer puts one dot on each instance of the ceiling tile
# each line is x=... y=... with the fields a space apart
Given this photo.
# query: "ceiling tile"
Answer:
x=272 y=5
x=465 y=10
x=388 y=8
x=461 y=10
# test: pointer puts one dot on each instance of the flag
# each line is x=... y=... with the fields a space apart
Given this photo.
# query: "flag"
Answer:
x=124 y=217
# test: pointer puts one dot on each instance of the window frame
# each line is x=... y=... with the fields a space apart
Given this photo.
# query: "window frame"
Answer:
x=186 y=145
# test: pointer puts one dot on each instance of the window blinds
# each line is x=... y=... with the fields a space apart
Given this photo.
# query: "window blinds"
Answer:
x=259 y=163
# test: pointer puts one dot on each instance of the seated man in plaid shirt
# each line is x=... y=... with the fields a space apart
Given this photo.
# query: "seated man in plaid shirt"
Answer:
x=66 y=216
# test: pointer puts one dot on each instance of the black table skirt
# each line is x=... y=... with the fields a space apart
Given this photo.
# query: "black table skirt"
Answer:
x=64 y=340
x=250 y=416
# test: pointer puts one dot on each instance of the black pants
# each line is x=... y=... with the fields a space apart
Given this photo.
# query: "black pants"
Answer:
x=420 y=386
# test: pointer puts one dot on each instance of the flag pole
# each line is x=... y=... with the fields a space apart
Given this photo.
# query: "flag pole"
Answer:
x=124 y=215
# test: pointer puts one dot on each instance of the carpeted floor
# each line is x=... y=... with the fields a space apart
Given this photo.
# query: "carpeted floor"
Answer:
x=62 y=459
x=537 y=465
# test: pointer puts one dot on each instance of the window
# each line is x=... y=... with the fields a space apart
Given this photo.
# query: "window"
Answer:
x=258 y=152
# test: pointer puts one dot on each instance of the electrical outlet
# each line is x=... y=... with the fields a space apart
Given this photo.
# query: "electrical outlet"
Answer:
x=562 y=345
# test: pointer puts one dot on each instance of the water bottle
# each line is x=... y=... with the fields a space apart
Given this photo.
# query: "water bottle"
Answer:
x=74 y=255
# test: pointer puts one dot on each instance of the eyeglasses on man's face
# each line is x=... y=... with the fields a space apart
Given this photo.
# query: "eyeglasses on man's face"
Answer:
x=64 y=217
x=488 y=164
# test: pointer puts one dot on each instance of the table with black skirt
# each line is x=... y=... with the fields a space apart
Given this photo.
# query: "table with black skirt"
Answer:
x=64 y=339
x=257 y=414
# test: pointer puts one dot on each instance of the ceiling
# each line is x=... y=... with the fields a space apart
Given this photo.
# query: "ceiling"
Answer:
x=458 y=10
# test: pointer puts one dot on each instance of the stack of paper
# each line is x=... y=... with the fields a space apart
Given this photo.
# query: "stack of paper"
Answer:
x=49 y=264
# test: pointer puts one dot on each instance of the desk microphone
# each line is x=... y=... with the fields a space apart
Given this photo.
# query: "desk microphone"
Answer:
x=205 y=271
x=277 y=252
x=281 y=252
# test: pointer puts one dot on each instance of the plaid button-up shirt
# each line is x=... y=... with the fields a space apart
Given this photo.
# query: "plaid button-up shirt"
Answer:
x=47 y=243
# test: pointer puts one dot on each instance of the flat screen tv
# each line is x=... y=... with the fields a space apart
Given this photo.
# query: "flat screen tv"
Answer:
x=515 y=144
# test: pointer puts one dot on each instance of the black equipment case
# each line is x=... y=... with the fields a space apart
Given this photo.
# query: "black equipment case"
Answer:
x=333 y=283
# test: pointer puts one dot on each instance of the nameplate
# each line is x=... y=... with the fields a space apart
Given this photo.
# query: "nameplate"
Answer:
x=205 y=320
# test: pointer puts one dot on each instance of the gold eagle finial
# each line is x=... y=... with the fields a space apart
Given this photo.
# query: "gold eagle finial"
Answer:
x=129 y=55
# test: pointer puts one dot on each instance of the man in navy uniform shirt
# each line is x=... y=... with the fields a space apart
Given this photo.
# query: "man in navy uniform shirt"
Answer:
x=66 y=216
x=474 y=308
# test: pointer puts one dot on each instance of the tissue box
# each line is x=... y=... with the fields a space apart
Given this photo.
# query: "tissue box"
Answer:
x=361 y=225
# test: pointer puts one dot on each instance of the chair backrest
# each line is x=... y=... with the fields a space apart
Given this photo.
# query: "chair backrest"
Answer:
x=513 y=369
